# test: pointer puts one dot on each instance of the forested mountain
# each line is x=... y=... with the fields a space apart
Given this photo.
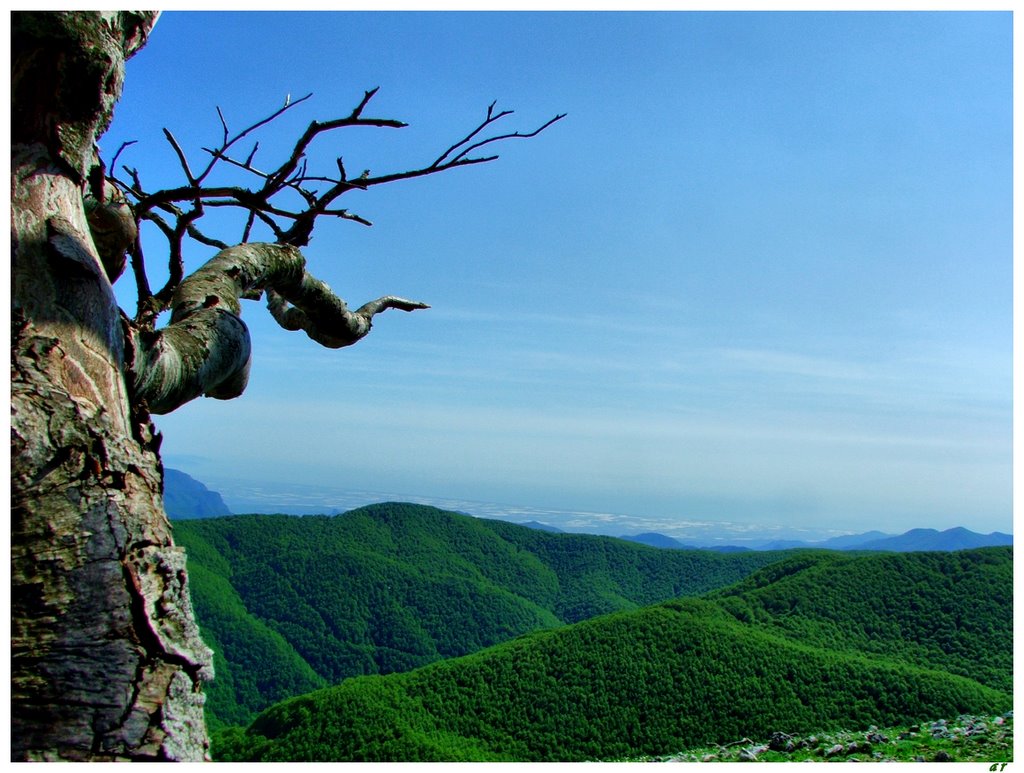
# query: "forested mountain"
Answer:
x=948 y=610
x=816 y=642
x=185 y=497
x=291 y=604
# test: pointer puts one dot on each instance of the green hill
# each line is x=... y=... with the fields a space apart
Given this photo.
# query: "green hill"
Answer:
x=939 y=610
x=292 y=604
x=681 y=674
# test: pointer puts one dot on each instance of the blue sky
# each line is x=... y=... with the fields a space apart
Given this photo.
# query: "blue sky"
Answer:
x=761 y=273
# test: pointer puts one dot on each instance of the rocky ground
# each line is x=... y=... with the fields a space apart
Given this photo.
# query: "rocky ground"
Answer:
x=964 y=739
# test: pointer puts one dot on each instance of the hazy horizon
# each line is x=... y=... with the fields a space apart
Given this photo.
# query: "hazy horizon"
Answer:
x=265 y=497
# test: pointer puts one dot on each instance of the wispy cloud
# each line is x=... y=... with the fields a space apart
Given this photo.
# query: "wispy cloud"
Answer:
x=792 y=364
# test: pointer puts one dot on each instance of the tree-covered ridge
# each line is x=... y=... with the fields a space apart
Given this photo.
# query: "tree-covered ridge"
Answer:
x=952 y=611
x=292 y=604
x=648 y=682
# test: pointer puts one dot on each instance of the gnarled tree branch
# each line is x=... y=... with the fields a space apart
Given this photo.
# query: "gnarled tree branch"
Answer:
x=205 y=349
x=262 y=203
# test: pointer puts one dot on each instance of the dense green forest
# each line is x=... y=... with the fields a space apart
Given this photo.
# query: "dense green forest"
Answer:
x=951 y=611
x=815 y=642
x=292 y=604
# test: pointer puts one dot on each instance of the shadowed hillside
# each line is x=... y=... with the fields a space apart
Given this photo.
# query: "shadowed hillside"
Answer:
x=291 y=604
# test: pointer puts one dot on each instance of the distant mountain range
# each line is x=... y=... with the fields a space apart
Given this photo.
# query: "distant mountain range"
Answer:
x=957 y=538
x=187 y=498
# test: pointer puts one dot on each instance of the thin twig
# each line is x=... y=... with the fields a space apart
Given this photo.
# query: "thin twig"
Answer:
x=224 y=125
x=117 y=155
x=227 y=143
x=491 y=118
x=513 y=135
x=181 y=158
x=248 y=226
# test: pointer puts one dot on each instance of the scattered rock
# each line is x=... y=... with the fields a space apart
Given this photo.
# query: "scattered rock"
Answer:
x=781 y=742
x=965 y=737
x=975 y=726
x=834 y=751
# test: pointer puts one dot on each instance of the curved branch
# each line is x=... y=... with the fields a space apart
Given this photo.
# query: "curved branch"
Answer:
x=205 y=349
x=324 y=317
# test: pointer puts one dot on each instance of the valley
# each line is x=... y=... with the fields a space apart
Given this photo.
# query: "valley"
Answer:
x=405 y=632
x=290 y=604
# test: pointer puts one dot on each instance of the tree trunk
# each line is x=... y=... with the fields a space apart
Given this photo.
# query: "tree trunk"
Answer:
x=106 y=659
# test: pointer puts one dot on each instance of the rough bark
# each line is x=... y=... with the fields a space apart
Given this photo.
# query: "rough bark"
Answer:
x=106 y=659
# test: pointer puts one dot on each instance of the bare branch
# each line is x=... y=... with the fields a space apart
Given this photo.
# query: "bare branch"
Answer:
x=344 y=214
x=138 y=263
x=181 y=158
x=500 y=137
x=290 y=224
x=427 y=170
x=316 y=128
x=248 y=226
x=202 y=238
x=227 y=143
x=491 y=118
x=113 y=162
x=305 y=303
x=224 y=126
x=188 y=193
x=160 y=223
x=367 y=96
x=295 y=183
x=389 y=302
